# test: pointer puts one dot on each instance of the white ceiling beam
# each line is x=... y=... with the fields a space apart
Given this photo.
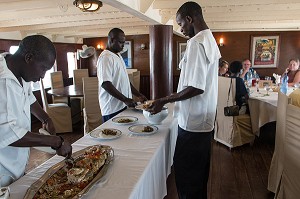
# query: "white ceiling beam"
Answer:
x=145 y=5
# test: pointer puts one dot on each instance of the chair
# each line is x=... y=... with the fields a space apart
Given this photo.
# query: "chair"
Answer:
x=262 y=83
x=135 y=78
x=78 y=74
x=60 y=113
x=91 y=112
x=231 y=131
x=276 y=166
x=57 y=82
x=290 y=183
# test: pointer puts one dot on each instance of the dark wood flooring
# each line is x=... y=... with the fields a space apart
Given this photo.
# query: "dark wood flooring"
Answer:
x=239 y=173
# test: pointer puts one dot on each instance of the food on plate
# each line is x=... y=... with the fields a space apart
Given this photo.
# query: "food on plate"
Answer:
x=109 y=132
x=147 y=129
x=124 y=120
x=68 y=182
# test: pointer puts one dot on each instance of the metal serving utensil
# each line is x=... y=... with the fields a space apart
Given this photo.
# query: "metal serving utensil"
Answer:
x=70 y=161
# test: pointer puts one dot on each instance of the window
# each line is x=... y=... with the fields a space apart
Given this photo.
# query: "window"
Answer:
x=13 y=49
x=72 y=62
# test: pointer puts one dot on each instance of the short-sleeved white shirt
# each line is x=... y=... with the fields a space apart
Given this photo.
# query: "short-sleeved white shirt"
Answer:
x=199 y=69
x=15 y=122
x=111 y=67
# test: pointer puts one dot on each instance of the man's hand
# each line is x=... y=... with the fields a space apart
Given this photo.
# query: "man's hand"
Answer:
x=49 y=126
x=130 y=102
x=156 y=106
x=65 y=149
x=142 y=98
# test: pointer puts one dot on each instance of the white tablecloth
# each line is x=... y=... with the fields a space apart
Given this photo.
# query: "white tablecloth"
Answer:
x=263 y=107
x=140 y=167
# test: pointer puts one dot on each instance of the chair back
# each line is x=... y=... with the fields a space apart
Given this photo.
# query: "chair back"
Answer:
x=276 y=167
x=136 y=79
x=56 y=79
x=44 y=96
x=224 y=124
x=93 y=117
x=78 y=74
x=290 y=185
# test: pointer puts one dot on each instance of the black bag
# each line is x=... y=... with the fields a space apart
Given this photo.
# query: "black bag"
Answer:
x=231 y=110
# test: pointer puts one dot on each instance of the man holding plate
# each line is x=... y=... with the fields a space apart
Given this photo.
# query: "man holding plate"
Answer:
x=196 y=101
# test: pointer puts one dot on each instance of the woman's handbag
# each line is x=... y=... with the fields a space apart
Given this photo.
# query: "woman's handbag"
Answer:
x=231 y=110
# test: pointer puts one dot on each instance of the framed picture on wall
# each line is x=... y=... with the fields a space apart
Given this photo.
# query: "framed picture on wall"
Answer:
x=126 y=54
x=181 y=50
x=264 y=51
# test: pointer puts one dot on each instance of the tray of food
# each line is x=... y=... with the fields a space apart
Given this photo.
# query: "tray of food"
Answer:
x=65 y=180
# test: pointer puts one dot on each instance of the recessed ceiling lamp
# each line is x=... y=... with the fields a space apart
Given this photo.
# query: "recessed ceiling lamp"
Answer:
x=88 y=5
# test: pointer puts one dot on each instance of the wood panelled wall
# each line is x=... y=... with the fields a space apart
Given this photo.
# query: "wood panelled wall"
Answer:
x=237 y=47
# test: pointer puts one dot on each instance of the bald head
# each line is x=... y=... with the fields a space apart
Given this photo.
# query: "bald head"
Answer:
x=116 y=40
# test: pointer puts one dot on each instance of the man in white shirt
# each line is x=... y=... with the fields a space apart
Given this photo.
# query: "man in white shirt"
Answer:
x=36 y=55
x=115 y=89
x=196 y=101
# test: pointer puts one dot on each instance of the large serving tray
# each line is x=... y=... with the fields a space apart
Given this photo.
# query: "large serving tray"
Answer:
x=32 y=190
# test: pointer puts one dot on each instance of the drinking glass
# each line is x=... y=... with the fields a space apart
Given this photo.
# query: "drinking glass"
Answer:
x=267 y=88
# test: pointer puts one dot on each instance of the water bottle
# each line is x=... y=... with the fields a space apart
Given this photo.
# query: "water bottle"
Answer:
x=284 y=84
x=249 y=79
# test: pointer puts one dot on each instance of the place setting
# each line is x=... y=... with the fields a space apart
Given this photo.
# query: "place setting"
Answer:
x=105 y=134
x=124 y=120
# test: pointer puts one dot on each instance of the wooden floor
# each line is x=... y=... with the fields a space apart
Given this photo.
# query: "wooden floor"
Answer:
x=239 y=173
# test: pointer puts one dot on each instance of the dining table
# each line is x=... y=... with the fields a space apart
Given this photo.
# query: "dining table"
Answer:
x=140 y=166
x=263 y=107
x=67 y=91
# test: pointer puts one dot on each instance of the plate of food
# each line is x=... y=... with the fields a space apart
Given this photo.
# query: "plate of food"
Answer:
x=143 y=129
x=121 y=120
x=64 y=181
x=105 y=133
x=144 y=106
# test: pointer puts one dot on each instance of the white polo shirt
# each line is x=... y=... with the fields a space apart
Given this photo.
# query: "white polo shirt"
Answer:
x=15 y=122
x=199 y=69
x=111 y=67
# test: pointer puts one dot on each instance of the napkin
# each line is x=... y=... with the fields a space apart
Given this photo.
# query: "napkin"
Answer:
x=277 y=78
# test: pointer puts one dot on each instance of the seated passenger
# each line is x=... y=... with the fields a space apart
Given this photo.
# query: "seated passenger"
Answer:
x=241 y=95
x=223 y=68
x=293 y=72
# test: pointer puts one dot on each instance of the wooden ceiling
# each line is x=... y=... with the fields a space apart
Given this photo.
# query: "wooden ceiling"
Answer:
x=60 y=20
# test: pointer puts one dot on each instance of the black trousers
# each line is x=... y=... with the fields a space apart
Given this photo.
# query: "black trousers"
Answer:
x=108 y=117
x=192 y=163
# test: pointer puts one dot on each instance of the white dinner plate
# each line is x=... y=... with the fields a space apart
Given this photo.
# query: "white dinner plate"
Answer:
x=139 y=129
x=98 y=134
x=121 y=120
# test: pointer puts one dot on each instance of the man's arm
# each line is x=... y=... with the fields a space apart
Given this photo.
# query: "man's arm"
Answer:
x=30 y=139
x=41 y=115
x=135 y=92
x=109 y=87
x=187 y=93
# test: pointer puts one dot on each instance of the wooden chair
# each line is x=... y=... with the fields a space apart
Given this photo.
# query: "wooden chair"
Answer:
x=60 y=113
x=231 y=131
x=262 y=83
x=57 y=82
x=91 y=112
x=135 y=78
x=78 y=74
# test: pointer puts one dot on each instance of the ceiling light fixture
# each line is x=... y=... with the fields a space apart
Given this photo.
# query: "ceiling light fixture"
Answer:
x=88 y=5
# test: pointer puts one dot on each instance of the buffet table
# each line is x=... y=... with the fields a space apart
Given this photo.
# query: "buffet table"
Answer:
x=140 y=167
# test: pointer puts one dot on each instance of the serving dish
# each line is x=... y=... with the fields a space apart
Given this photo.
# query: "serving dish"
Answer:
x=100 y=134
x=52 y=185
x=121 y=120
x=143 y=129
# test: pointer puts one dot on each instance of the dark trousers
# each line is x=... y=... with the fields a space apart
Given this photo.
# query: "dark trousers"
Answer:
x=107 y=117
x=192 y=163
